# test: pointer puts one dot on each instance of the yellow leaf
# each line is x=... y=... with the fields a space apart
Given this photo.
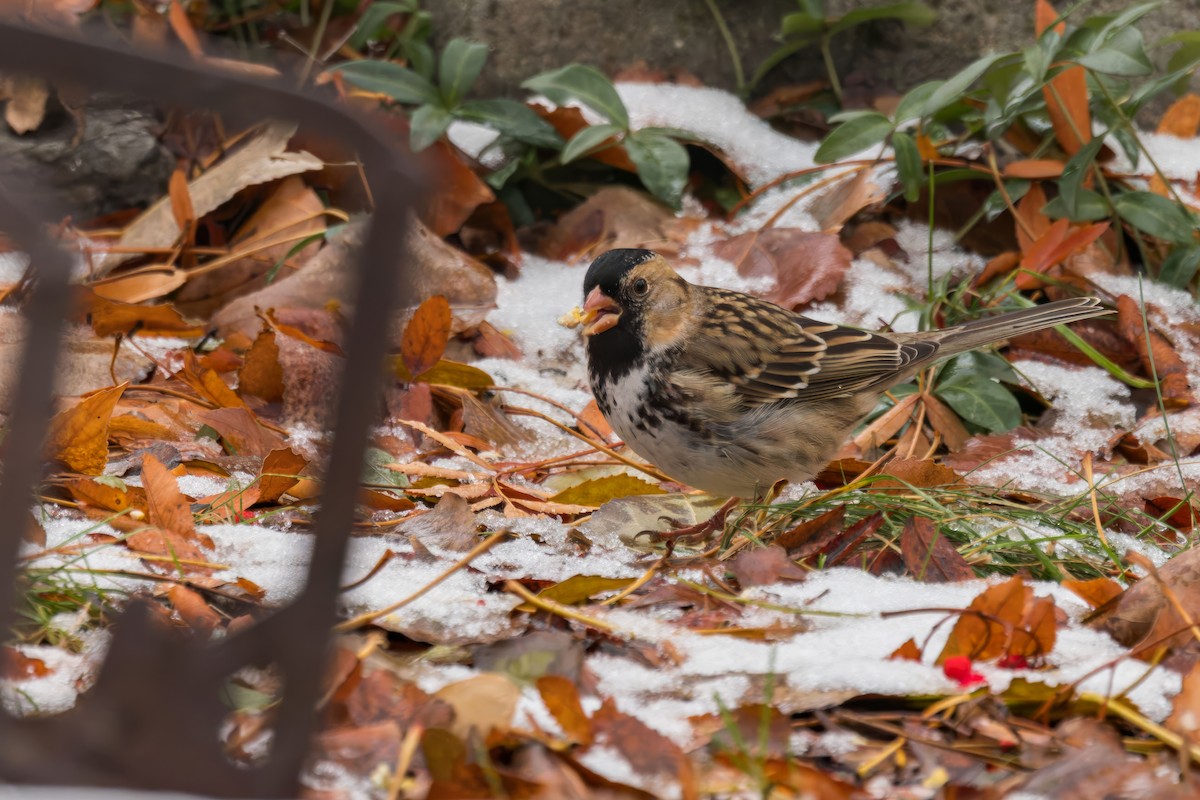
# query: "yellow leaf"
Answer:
x=79 y=436
x=447 y=373
x=598 y=491
x=581 y=588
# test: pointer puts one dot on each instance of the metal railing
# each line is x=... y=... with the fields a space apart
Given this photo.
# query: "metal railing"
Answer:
x=152 y=718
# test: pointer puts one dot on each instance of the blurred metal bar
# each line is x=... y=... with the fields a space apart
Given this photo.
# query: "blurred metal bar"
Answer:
x=152 y=719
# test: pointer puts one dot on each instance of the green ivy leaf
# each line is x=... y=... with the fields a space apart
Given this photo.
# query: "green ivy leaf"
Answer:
x=427 y=125
x=585 y=84
x=587 y=140
x=908 y=165
x=911 y=13
x=1130 y=63
x=803 y=24
x=1089 y=206
x=984 y=363
x=460 y=65
x=912 y=106
x=953 y=89
x=662 y=164
x=980 y=400
x=373 y=18
x=1157 y=216
x=1180 y=266
x=397 y=82
x=1074 y=172
x=853 y=136
x=511 y=118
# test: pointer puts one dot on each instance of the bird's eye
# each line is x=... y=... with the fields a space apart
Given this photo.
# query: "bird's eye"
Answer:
x=640 y=287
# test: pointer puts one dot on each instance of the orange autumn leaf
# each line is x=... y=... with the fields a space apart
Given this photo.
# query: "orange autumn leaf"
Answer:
x=562 y=701
x=909 y=651
x=1034 y=168
x=261 y=374
x=79 y=436
x=1156 y=354
x=1066 y=93
x=90 y=492
x=1032 y=223
x=278 y=469
x=426 y=335
x=1182 y=119
x=1005 y=619
x=168 y=508
x=181 y=204
x=1056 y=245
x=109 y=316
x=1095 y=592
x=193 y=610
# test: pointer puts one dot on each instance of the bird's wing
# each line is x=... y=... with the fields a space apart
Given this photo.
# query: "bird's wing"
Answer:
x=767 y=354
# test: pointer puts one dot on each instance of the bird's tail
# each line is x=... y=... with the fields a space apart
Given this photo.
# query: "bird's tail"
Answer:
x=980 y=332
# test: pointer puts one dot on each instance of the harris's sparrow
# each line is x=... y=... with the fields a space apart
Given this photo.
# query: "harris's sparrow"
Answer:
x=729 y=393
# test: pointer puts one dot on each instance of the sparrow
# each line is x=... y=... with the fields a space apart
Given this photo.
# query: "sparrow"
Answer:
x=729 y=393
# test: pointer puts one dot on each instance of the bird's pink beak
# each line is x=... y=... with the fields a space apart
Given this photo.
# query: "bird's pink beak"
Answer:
x=600 y=312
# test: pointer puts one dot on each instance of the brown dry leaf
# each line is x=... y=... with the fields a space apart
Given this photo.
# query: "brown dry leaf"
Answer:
x=945 y=422
x=760 y=566
x=426 y=335
x=491 y=342
x=16 y=666
x=562 y=701
x=490 y=236
x=1029 y=209
x=261 y=374
x=168 y=508
x=145 y=283
x=1157 y=355
x=260 y=160
x=1185 y=709
x=27 y=97
x=109 y=317
x=647 y=751
x=1182 y=119
x=591 y=417
x=79 y=436
x=811 y=535
x=833 y=207
x=1034 y=168
x=887 y=424
x=101 y=495
x=450 y=525
x=1095 y=592
x=290 y=213
x=615 y=216
x=805 y=266
x=1131 y=617
x=922 y=473
x=1005 y=619
x=242 y=432
x=1056 y=245
x=1066 y=93
x=569 y=121
x=1001 y=264
x=193 y=610
x=181 y=204
x=909 y=651
x=183 y=29
x=126 y=429
x=456 y=190
x=485 y=703
x=275 y=478
x=929 y=556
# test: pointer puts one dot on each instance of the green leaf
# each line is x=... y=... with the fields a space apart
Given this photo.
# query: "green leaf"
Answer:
x=1089 y=206
x=912 y=106
x=662 y=164
x=420 y=57
x=908 y=165
x=911 y=13
x=460 y=65
x=1112 y=61
x=384 y=77
x=978 y=362
x=995 y=205
x=376 y=473
x=1124 y=21
x=500 y=177
x=428 y=123
x=587 y=140
x=803 y=24
x=982 y=401
x=373 y=18
x=1157 y=216
x=954 y=88
x=1180 y=266
x=512 y=118
x=853 y=137
x=1074 y=172
x=585 y=84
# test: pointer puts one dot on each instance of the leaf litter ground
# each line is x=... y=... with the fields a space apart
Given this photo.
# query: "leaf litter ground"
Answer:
x=670 y=668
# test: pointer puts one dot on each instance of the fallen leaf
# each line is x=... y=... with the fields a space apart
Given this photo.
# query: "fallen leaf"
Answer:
x=280 y=472
x=759 y=566
x=484 y=703
x=1035 y=222
x=108 y=317
x=598 y=491
x=562 y=701
x=833 y=207
x=242 y=433
x=923 y=473
x=909 y=651
x=455 y=190
x=193 y=610
x=1034 y=168
x=261 y=374
x=805 y=266
x=264 y=158
x=168 y=508
x=1095 y=592
x=569 y=121
x=615 y=216
x=78 y=437
x=145 y=283
x=1005 y=619
x=1133 y=616
x=1185 y=709
x=426 y=335
x=579 y=589
x=101 y=495
x=929 y=556
x=1066 y=93
x=16 y=666
x=1157 y=355
x=1182 y=118
x=811 y=535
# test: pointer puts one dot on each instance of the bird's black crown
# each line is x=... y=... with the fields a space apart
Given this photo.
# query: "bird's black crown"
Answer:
x=607 y=270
